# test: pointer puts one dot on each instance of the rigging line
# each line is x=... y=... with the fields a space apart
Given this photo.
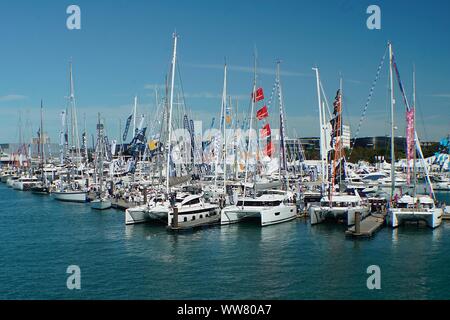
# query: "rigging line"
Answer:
x=325 y=98
x=369 y=99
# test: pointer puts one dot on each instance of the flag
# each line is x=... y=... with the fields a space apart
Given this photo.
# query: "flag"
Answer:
x=262 y=113
x=337 y=103
x=127 y=127
x=258 y=95
x=265 y=131
x=268 y=150
x=410 y=143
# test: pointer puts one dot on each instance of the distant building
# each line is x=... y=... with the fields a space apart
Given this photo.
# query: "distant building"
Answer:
x=310 y=143
x=380 y=143
x=51 y=149
x=45 y=137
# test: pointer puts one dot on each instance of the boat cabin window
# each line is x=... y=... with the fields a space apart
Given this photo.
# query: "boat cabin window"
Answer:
x=185 y=219
x=374 y=177
x=193 y=201
x=251 y=203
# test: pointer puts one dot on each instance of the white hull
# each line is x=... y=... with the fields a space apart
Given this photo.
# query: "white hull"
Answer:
x=101 y=204
x=442 y=186
x=10 y=182
x=144 y=214
x=196 y=214
x=268 y=215
x=71 y=196
x=4 y=178
x=21 y=186
x=432 y=217
x=320 y=214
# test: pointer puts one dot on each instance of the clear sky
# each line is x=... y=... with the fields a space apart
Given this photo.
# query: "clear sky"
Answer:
x=124 y=48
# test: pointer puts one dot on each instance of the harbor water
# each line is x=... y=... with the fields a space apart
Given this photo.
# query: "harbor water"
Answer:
x=40 y=237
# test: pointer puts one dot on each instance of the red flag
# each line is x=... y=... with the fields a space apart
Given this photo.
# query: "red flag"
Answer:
x=259 y=95
x=262 y=113
x=265 y=131
x=269 y=149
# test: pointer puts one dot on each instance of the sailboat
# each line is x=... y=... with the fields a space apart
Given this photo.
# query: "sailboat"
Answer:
x=334 y=205
x=177 y=210
x=268 y=206
x=101 y=201
x=42 y=186
x=72 y=191
x=417 y=207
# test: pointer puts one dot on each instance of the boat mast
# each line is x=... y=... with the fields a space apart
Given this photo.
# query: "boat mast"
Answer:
x=250 y=127
x=236 y=166
x=282 y=128
x=391 y=85
x=75 y=137
x=223 y=128
x=323 y=152
x=41 y=137
x=174 y=60
x=100 y=147
x=414 y=121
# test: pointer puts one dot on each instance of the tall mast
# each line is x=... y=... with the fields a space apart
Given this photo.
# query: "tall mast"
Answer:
x=341 y=133
x=236 y=168
x=41 y=139
x=250 y=126
x=75 y=137
x=174 y=60
x=282 y=128
x=391 y=84
x=323 y=152
x=223 y=111
x=414 y=121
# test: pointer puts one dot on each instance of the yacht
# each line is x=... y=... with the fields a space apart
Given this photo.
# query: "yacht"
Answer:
x=157 y=210
x=418 y=208
x=10 y=181
x=193 y=211
x=24 y=183
x=441 y=183
x=101 y=203
x=269 y=206
x=342 y=207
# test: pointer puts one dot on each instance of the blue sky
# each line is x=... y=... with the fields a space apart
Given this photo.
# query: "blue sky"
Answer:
x=124 y=48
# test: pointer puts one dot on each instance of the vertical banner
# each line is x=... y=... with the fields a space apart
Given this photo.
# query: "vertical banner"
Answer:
x=410 y=145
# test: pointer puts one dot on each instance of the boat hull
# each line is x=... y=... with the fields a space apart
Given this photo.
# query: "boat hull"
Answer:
x=432 y=217
x=4 y=178
x=71 y=196
x=320 y=214
x=268 y=215
x=143 y=214
x=101 y=204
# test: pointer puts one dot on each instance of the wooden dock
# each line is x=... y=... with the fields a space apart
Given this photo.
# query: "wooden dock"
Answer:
x=446 y=217
x=367 y=227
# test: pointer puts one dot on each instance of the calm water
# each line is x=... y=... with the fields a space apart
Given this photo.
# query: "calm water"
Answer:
x=40 y=238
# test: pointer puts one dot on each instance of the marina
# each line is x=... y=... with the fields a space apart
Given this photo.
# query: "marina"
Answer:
x=266 y=183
